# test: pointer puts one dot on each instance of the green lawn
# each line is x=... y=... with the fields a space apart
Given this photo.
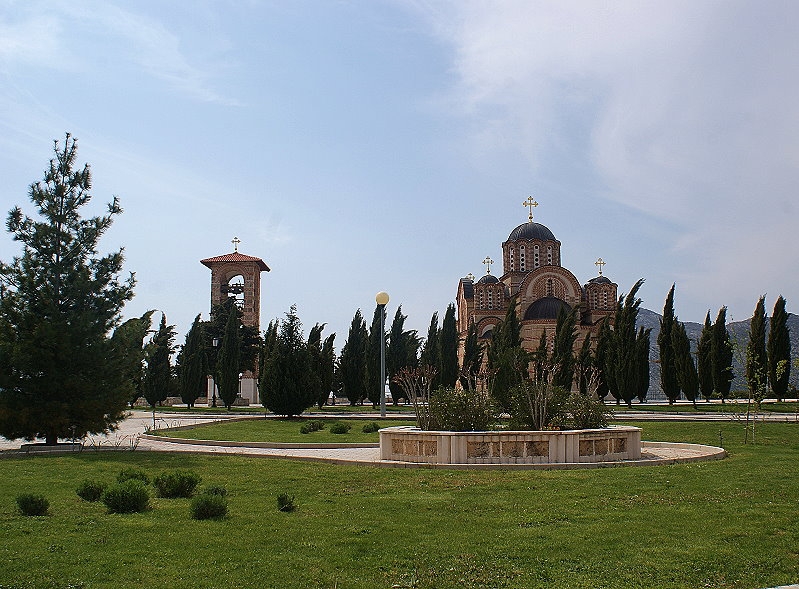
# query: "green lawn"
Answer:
x=730 y=523
x=284 y=430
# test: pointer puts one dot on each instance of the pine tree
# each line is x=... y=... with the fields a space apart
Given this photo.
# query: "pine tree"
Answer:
x=352 y=362
x=285 y=382
x=668 y=367
x=779 y=350
x=158 y=375
x=563 y=350
x=756 y=360
x=721 y=356
x=704 y=359
x=686 y=370
x=448 y=345
x=191 y=365
x=61 y=375
x=229 y=361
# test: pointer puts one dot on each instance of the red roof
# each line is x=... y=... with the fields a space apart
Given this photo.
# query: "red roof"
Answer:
x=235 y=257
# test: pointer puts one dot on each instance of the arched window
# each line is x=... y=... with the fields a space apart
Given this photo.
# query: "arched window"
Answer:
x=480 y=299
x=521 y=257
x=512 y=261
x=490 y=298
x=235 y=290
x=549 y=255
x=536 y=261
x=550 y=289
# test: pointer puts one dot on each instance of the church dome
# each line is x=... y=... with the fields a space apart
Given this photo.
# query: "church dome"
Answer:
x=531 y=230
x=545 y=308
x=600 y=280
x=488 y=279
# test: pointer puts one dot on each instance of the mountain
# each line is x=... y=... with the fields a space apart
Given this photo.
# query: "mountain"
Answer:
x=739 y=333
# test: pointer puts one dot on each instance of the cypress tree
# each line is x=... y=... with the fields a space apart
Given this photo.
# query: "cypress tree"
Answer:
x=541 y=360
x=285 y=383
x=327 y=369
x=374 y=385
x=431 y=350
x=158 y=371
x=668 y=368
x=779 y=350
x=61 y=374
x=756 y=360
x=228 y=361
x=642 y=342
x=130 y=336
x=507 y=360
x=721 y=356
x=352 y=362
x=585 y=366
x=448 y=345
x=401 y=352
x=601 y=359
x=686 y=370
x=472 y=358
x=192 y=365
x=704 y=357
x=627 y=356
x=315 y=364
x=563 y=351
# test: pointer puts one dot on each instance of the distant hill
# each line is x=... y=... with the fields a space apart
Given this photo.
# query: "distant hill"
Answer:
x=739 y=331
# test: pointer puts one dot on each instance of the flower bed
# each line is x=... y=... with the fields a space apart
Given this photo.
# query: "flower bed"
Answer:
x=411 y=444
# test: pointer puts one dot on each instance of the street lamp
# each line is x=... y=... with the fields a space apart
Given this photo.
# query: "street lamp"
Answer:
x=215 y=343
x=382 y=300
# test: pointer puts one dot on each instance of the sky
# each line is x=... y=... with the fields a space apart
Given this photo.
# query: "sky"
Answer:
x=362 y=146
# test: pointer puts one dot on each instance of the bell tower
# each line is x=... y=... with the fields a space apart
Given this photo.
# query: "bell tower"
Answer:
x=238 y=276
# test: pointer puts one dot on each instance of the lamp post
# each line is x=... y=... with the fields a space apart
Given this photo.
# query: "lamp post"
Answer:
x=382 y=300
x=215 y=343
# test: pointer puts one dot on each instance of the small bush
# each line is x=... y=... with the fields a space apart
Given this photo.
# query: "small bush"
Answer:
x=180 y=483
x=312 y=426
x=91 y=490
x=286 y=502
x=370 y=428
x=339 y=427
x=127 y=474
x=461 y=410
x=30 y=504
x=130 y=496
x=209 y=505
x=215 y=490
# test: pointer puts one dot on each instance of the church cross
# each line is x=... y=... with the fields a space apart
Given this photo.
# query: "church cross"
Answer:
x=235 y=241
x=599 y=263
x=530 y=202
x=488 y=261
x=470 y=277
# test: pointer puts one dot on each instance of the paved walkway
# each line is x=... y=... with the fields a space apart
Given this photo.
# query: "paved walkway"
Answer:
x=136 y=431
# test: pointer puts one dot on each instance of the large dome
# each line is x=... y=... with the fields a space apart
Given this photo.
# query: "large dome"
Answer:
x=546 y=308
x=488 y=279
x=531 y=230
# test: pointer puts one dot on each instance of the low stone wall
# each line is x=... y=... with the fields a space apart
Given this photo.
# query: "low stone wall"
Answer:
x=411 y=444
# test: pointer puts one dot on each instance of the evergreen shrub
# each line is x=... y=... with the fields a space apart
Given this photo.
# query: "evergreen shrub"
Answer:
x=32 y=504
x=215 y=490
x=370 y=428
x=312 y=426
x=339 y=427
x=285 y=502
x=209 y=505
x=91 y=490
x=127 y=474
x=179 y=483
x=130 y=496
x=461 y=410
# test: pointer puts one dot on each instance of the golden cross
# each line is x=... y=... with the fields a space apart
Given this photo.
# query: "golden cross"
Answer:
x=530 y=202
x=235 y=241
x=599 y=263
x=488 y=261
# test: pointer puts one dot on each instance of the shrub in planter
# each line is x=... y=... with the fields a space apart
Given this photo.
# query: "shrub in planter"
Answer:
x=127 y=474
x=339 y=427
x=91 y=490
x=461 y=410
x=179 y=483
x=32 y=504
x=208 y=506
x=130 y=496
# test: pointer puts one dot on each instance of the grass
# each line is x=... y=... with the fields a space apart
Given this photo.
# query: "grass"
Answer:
x=724 y=524
x=283 y=430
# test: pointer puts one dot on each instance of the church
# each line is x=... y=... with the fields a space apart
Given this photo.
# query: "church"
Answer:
x=534 y=280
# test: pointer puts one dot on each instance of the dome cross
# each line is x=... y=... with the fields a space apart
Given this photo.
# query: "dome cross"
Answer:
x=530 y=202
x=599 y=263
x=488 y=261
x=235 y=241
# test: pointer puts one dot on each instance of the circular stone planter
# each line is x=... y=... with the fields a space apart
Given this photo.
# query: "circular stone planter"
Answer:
x=411 y=444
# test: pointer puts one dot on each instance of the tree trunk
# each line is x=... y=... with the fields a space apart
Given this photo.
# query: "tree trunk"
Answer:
x=51 y=439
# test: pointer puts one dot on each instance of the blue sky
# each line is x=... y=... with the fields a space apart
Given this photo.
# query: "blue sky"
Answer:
x=359 y=146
